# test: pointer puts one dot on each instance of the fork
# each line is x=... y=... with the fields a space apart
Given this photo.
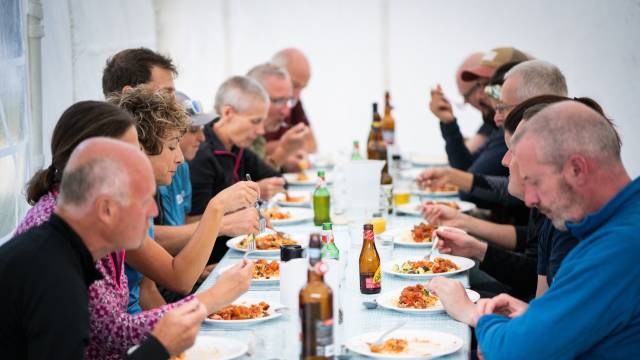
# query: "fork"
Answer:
x=395 y=327
x=251 y=244
x=434 y=250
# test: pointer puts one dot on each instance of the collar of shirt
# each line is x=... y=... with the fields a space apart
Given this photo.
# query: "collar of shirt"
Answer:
x=218 y=149
x=89 y=271
x=596 y=220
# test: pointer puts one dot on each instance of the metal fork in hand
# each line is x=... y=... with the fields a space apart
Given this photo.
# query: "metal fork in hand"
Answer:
x=251 y=244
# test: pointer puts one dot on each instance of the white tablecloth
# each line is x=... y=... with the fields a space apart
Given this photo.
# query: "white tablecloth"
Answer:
x=277 y=339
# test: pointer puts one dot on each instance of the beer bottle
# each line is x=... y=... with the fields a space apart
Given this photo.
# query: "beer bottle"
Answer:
x=316 y=308
x=374 y=120
x=329 y=248
x=369 y=264
x=321 y=202
x=377 y=150
x=388 y=123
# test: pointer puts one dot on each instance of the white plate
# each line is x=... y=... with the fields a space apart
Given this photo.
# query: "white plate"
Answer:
x=298 y=215
x=414 y=209
x=429 y=193
x=273 y=314
x=312 y=178
x=273 y=280
x=389 y=300
x=402 y=237
x=209 y=347
x=463 y=262
x=429 y=160
x=306 y=202
x=429 y=344
x=233 y=244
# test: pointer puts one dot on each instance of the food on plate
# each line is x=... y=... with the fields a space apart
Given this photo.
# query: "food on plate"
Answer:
x=422 y=232
x=439 y=265
x=294 y=199
x=390 y=346
x=242 y=312
x=301 y=176
x=417 y=297
x=268 y=242
x=276 y=214
x=441 y=188
x=451 y=204
x=264 y=269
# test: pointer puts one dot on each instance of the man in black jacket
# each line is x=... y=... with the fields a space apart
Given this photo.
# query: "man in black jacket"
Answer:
x=106 y=197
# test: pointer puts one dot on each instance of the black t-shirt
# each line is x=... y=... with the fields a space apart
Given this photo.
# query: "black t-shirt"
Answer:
x=214 y=169
x=553 y=247
x=45 y=274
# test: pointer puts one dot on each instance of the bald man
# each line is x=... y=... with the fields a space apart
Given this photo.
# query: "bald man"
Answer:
x=297 y=65
x=569 y=159
x=106 y=198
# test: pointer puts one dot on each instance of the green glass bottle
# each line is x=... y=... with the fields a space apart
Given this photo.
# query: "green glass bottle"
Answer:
x=329 y=247
x=321 y=202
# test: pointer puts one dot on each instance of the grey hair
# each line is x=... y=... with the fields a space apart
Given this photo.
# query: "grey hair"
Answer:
x=566 y=128
x=261 y=72
x=281 y=59
x=239 y=92
x=538 y=77
x=81 y=185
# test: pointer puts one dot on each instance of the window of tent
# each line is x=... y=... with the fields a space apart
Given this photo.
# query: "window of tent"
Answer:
x=14 y=134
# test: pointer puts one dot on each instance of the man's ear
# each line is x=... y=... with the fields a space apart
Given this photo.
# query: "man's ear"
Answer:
x=107 y=210
x=126 y=89
x=576 y=170
x=227 y=111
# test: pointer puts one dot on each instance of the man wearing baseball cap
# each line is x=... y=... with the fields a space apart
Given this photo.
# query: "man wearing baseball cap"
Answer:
x=486 y=159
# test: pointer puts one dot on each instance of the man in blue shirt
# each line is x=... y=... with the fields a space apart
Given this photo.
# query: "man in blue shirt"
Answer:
x=569 y=159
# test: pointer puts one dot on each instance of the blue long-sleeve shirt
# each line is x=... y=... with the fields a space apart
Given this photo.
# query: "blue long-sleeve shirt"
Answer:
x=592 y=309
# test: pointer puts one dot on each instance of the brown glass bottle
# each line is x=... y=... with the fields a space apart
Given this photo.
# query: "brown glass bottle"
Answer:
x=388 y=122
x=377 y=150
x=369 y=264
x=376 y=119
x=316 y=308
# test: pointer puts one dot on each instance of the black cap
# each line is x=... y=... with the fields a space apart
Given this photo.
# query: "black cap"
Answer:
x=290 y=252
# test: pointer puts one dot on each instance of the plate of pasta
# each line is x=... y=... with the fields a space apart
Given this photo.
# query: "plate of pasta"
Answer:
x=438 y=191
x=305 y=178
x=288 y=216
x=415 y=209
x=405 y=344
x=415 y=299
x=265 y=271
x=267 y=243
x=244 y=312
x=420 y=268
x=294 y=199
x=207 y=347
x=418 y=235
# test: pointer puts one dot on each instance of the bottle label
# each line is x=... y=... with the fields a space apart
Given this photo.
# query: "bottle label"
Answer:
x=370 y=283
x=317 y=334
x=388 y=136
x=324 y=338
x=386 y=198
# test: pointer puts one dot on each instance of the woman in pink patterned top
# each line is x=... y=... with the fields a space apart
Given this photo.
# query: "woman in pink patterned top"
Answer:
x=113 y=331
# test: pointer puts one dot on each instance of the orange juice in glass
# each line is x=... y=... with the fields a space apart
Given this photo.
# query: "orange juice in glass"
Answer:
x=379 y=225
x=401 y=196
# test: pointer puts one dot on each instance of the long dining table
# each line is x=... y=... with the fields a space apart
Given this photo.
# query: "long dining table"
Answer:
x=279 y=338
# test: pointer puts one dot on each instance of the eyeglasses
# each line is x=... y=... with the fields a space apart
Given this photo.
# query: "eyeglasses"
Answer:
x=282 y=101
x=467 y=95
x=493 y=91
x=195 y=128
x=193 y=107
x=501 y=108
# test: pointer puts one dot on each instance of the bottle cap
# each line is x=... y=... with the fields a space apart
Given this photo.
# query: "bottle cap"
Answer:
x=290 y=252
x=320 y=173
x=326 y=226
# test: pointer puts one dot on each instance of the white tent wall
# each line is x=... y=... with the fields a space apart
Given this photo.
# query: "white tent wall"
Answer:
x=79 y=36
x=357 y=49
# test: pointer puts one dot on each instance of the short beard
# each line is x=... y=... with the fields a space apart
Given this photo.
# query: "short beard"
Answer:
x=565 y=213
